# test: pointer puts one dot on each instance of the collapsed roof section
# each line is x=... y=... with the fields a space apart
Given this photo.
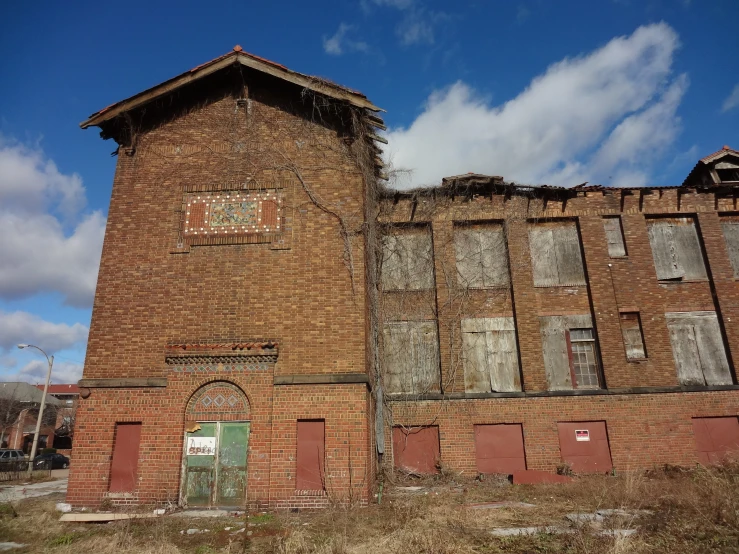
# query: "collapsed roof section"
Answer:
x=719 y=170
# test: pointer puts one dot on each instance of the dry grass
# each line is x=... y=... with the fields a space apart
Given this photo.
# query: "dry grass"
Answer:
x=691 y=511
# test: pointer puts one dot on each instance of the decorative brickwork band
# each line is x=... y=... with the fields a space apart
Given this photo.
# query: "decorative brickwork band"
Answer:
x=222 y=357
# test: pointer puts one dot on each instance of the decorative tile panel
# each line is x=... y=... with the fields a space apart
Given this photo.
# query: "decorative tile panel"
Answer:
x=232 y=213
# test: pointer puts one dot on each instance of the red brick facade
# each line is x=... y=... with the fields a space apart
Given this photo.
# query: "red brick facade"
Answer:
x=235 y=286
x=647 y=413
x=282 y=284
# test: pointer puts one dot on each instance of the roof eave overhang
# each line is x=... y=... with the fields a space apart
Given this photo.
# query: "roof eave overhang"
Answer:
x=198 y=73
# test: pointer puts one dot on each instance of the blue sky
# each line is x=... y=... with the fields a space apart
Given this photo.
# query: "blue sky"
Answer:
x=618 y=92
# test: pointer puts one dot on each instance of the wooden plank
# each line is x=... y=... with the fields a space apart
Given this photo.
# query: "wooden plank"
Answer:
x=396 y=357
x=567 y=249
x=731 y=236
x=503 y=354
x=393 y=265
x=475 y=362
x=614 y=236
x=711 y=351
x=688 y=248
x=554 y=350
x=543 y=257
x=418 y=254
x=123 y=383
x=664 y=252
x=685 y=352
x=425 y=372
x=469 y=258
x=494 y=257
x=96 y=518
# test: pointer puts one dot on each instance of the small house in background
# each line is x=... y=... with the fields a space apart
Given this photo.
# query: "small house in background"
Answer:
x=68 y=395
x=19 y=407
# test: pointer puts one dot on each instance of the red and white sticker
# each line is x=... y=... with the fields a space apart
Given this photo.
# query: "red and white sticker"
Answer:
x=582 y=435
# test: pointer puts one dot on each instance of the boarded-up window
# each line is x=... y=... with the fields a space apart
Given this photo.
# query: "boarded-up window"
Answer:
x=676 y=249
x=310 y=456
x=407 y=261
x=731 y=236
x=570 y=352
x=584 y=446
x=633 y=337
x=416 y=449
x=499 y=448
x=490 y=355
x=482 y=258
x=411 y=355
x=698 y=348
x=555 y=254
x=125 y=463
x=614 y=236
x=716 y=439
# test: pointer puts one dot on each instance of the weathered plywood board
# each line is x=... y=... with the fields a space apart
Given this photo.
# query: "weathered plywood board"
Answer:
x=490 y=355
x=614 y=236
x=698 y=348
x=411 y=356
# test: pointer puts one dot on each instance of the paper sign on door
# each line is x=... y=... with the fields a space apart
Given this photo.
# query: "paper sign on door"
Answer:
x=201 y=446
x=582 y=435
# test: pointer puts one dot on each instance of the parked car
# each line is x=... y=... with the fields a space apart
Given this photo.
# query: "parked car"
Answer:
x=12 y=460
x=50 y=461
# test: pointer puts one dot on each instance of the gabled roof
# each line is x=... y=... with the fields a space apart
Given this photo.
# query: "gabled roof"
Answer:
x=61 y=389
x=236 y=56
x=704 y=162
x=25 y=393
x=725 y=151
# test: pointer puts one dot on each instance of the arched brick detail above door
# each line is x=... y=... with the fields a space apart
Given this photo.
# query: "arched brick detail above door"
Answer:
x=218 y=401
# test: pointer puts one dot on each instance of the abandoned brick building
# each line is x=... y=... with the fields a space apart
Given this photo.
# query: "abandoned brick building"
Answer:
x=274 y=327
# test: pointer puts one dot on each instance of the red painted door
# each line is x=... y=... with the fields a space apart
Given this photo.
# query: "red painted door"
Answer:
x=584 y=446
x=416 y=449
x=125 y=464
x=499 y=448
x=716 y=438
x=311 y=447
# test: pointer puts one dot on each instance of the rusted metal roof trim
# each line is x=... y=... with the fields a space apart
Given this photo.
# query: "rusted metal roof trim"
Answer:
x=315 y=84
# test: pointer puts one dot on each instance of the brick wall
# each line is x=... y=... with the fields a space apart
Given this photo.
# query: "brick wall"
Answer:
x=644 y=429
x=158 y=286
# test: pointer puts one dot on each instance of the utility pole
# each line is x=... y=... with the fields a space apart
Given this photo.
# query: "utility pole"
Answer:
x=50 y=360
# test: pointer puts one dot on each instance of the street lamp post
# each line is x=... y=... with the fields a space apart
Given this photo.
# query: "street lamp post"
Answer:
x=50 y=360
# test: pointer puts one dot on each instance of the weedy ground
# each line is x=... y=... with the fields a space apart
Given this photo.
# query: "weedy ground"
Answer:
x=689 y=510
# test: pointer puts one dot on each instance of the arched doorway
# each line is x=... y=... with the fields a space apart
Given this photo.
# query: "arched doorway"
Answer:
x=215 y=450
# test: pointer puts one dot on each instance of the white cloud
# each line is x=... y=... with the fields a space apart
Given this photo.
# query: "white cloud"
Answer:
x=416 y=28
x=35 y=372
x=732 y=101
x=340 y=43
x=42 y=251
x=22 y=327
x=594 y=117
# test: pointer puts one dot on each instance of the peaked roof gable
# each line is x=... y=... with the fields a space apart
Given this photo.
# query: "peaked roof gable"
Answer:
x=236 y=56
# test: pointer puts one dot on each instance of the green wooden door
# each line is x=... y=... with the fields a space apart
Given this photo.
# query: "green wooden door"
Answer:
x=233 y=441
x=215 y=467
